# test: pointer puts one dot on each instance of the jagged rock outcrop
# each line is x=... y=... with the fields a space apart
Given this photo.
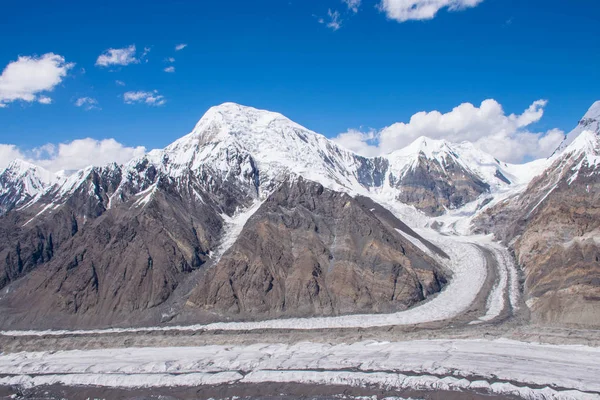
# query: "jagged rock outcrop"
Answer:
x=312 y=251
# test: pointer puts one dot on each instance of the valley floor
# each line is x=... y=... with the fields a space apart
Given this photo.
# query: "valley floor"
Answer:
x=498 y=367
x=474 y=339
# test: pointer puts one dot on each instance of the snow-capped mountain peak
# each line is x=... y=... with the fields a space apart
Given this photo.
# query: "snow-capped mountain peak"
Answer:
x=588 y=141
x=21 y=181
x=593 y=112
x=232 y=139
x=589 y=122
x=32 y=177
x=253 y=151
x=448 y=156
x=430 y=148
x=582 y=153
x=579 y=154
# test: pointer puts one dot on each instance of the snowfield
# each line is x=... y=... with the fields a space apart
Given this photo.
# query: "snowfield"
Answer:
x=503 y=367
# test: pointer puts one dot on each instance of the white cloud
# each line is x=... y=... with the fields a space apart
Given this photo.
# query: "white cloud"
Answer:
x=44 y=100
x=9 y=153
x=487 y=126
x=124 y=56
x=149 y=98
x=352 y=4
x=180 y=46
x=144 y=55
x=88 y=103
x=170 y=69
x=74 y=155
x=27 y=77
x=335 y=20
x=364 y=143
x=405 y=10
x=120 y=83
x=170 y=60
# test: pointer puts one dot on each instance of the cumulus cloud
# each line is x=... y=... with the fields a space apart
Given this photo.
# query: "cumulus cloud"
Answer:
x=124 y=56
x=487 y=126
x=352 y=4
x=170 y=60
x=29 y=76
x=71 y=156
x=9 y=153
x=88 y=103
x=44 y=100
x=120 y=83
x=150 y=98
x=405 y=10
x=170 y=69
x=180 y=46
x=364 y=143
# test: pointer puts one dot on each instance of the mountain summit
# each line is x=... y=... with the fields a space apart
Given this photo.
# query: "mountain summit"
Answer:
x=21 y=182
x=589 y=123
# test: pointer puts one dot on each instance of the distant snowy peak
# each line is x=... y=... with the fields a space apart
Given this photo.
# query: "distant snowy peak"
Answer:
x=581 y=155
x=31 y=178
x=589 y=123
x=580 y=158
x=426 y=146
x=21 y=181
x=592 y=116
x=587 y=142
x=19 y=169
x=450 y=157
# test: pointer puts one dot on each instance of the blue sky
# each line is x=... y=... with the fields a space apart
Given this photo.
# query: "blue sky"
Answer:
x=372 y=72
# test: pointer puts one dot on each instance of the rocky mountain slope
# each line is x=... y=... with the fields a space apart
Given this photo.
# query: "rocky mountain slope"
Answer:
x=121 y=243
x=553 y=228
x=311 y=251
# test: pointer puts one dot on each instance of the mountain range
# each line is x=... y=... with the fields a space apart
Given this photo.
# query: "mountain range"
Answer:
x=252 y=216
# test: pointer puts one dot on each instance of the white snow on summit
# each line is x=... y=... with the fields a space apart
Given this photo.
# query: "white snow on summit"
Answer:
x=259 y=149
x=231 y=137
x=589 y=122
x=495 y=173
x=25 y=179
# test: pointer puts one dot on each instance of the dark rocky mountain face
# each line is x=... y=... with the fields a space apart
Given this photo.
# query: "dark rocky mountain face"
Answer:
x=111 y=248
x=311 y=251
x=114 y=245
x=435 y=186
x=553 y=228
